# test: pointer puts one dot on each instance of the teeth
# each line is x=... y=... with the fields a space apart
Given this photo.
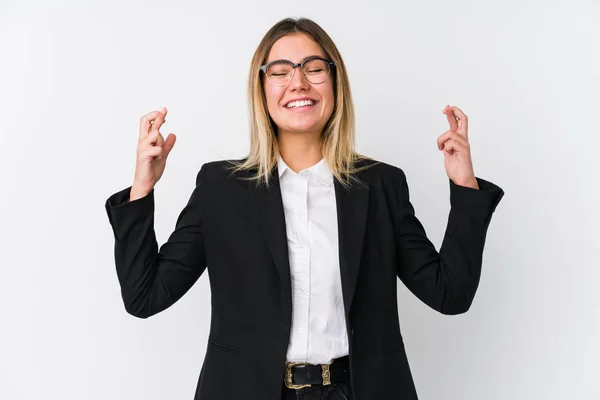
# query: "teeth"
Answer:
x=300 y=103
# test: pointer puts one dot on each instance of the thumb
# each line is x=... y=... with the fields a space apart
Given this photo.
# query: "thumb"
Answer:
x=169 y=143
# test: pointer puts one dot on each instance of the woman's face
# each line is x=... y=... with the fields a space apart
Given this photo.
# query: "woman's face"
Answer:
x=306 y=119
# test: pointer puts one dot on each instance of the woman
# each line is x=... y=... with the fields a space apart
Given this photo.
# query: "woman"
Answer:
x=304 y=239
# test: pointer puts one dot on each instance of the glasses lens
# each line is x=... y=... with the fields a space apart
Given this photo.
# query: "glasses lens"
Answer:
x=279 y=73
x=316 y=71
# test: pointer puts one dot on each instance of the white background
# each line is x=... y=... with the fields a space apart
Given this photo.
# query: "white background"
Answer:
x=75 y=78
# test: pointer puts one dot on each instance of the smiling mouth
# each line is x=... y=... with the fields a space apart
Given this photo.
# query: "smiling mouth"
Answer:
x=300 y=104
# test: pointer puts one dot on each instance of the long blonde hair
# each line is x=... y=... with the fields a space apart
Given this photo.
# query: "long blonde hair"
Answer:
x=337 y=138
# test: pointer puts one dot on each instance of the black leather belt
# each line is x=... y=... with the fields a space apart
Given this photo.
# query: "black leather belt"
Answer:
x=300 y=375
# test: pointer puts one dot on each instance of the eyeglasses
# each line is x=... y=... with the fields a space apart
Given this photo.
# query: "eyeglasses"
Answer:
x=280 y=72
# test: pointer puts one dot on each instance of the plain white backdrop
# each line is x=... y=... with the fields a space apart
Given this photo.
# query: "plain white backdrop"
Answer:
x=76 y=77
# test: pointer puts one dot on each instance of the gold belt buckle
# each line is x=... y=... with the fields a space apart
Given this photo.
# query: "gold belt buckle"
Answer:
x=288 y=375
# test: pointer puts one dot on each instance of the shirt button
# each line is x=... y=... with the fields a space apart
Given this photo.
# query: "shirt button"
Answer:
x=302 y=288
x=301 y=330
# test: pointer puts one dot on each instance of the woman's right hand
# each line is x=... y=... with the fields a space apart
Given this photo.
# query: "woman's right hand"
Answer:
x=152 y=153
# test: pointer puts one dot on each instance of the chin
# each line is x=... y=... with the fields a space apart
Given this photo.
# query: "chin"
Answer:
x=301 y=125
x=302 y=128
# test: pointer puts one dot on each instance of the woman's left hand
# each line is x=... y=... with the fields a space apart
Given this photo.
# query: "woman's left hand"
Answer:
x=457 y=151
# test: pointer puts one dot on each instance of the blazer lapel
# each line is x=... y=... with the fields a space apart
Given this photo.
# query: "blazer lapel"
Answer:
x=352 y=209
x=269 y=206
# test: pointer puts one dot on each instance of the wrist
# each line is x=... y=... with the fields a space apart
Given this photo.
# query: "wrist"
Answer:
x=137 y=193
x=470 y=183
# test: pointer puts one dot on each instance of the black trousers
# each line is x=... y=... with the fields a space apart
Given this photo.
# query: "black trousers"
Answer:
x=335 y=391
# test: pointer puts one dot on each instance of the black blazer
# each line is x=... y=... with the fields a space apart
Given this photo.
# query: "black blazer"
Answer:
x=237 y=231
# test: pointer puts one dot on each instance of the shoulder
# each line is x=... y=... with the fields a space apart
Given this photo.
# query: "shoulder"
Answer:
x=218 y=170
x=377 y=172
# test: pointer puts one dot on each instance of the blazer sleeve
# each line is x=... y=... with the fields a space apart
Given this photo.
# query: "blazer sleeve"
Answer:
x=446 y=281
x=153 y=279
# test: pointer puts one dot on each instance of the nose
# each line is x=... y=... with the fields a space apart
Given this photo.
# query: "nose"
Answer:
x=298 y=81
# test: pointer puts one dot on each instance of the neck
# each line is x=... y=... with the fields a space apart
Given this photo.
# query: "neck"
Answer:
x=300 y=150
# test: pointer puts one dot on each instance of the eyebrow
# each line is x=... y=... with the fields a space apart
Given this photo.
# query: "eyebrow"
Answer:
x=305 y=58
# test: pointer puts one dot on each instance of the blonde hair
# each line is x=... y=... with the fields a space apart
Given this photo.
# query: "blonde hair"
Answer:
x=337 y=138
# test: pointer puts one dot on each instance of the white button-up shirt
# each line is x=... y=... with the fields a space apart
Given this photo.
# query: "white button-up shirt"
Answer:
x=318 y=332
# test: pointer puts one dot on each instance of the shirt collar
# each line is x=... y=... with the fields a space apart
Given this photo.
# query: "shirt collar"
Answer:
x=320 y=171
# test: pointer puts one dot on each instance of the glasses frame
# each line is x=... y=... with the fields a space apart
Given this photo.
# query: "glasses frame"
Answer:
x=264 y=68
